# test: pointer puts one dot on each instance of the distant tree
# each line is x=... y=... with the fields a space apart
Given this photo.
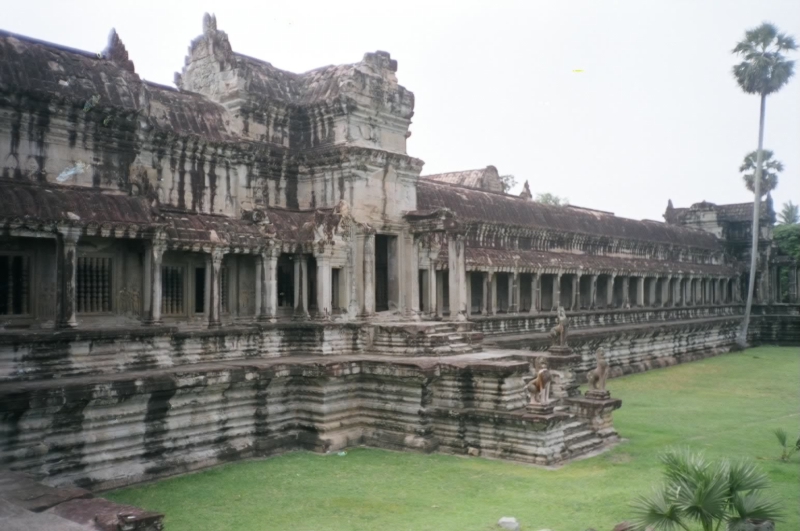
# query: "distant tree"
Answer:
x=551 y=199
x=764 y=70
x=787 y=239
x=790 y=214
x=769 y=171
x=509 y=182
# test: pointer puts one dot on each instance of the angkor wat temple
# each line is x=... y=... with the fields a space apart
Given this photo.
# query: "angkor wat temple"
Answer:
x=251 y=263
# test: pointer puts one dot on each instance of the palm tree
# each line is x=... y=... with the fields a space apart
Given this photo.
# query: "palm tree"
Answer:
x=709 y=493
x=790 y=215
x=764 y=70
x=769 y=171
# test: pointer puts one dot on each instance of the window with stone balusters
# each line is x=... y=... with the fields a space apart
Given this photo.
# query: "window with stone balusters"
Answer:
x=14 y=284
x=93 y=284
x=172 y=283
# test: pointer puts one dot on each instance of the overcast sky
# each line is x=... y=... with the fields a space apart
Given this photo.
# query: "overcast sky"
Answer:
x=653 y=114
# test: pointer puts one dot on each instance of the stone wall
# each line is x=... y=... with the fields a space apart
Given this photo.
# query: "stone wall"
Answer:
x=116 y=429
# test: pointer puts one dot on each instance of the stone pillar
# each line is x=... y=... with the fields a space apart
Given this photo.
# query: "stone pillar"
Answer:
x=152 y=281
x=652 y=292
x=433 y=301
x=66 y=276
x=576 y=292
x=535 y=302
x=440 y=295
x=269 y=285
x=301 y=287
x=665 y=285
x=369 y=273
x=557 y=291
x=640 y=292
x=414 y=275
x=626 y=289
x=593 y=293
x=513 y=292
x=494 y=293
x=610 y=291
x=457 y=268
x=487 y=292
x=793 y=284
x=214 y=270
x=324 y=287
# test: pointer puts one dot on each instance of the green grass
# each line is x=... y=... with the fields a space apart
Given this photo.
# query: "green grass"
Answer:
x=726 y=406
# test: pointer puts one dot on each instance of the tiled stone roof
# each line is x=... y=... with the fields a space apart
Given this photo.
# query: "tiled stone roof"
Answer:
x=71 y=204
x=477 y=205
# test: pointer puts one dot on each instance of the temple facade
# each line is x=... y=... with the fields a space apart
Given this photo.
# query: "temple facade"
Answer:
x=152 y=236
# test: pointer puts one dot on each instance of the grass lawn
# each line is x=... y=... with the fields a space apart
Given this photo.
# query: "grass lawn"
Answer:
x=726 y=405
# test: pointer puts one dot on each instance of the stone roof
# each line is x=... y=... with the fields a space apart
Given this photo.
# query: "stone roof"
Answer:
x=471 y=205
x=292 y=225
x=186 y=227
x=484 y=179
x=735 y=212
x=50 y=72
x=26 y=202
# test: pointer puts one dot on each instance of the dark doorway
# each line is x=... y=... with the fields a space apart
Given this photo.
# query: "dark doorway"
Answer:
x=387 y=293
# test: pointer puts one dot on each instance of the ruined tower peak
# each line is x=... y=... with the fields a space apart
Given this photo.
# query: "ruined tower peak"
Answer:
x=209 y=23
x=116 y=52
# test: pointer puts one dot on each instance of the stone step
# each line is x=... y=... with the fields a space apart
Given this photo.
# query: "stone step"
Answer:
x=585 y=446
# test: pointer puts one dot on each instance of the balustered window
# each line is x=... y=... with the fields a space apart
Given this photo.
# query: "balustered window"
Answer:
x=14 y=284
x=172 y=300
x=93 y=289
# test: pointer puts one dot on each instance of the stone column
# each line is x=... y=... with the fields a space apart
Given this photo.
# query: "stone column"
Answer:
x=665 y=291
x=214 y=269
x=414 y=275
x=440 y=295
x=626 y=289
x=66 y=276
x=324 y=287
x=593 y=293
x=576 y=291
x=494 y=292
x=513 y=292
x=433 y=303
x=640 y=291
x=301 y=287
x=557 y=291
x=535 y=302
x=369 y=273
x=457 y=268
x=152 y=281
x=793 y=284
x=652 y=292
x=269 y=285
x=610 y=291
x=487 y=292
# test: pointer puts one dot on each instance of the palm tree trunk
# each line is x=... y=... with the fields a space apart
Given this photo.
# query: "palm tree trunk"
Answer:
x=756 y=207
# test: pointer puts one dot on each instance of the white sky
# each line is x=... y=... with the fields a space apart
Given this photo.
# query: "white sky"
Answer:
x=654 y=115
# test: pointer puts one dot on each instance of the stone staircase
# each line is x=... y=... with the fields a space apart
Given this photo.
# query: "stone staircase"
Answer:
x=429 y=338
x=579 y=439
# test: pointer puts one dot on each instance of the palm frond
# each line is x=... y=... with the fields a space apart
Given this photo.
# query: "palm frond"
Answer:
x=705 y=499
x=781 y=435
x=745 y=476
x=656 y=511
x=754 y=506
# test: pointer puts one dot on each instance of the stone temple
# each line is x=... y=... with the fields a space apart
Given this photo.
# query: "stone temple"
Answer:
x=251 y=263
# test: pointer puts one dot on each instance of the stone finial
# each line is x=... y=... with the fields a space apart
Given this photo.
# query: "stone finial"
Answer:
x=117 y=53
x=526 y=192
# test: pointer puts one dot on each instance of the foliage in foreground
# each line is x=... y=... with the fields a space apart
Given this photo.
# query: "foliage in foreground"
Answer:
x=708 y=492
